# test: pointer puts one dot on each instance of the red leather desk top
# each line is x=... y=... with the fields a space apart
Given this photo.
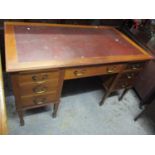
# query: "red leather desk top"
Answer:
x=47 y=43
x=30 y=46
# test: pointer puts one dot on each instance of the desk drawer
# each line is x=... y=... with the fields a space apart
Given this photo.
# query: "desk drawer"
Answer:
x=38 y=77
x=80 y=72
x=135 y=66
x=125 y=80
x=120 y=84
x=123 y=84
x=38 y=100
x=33 y=88
x=129 y=75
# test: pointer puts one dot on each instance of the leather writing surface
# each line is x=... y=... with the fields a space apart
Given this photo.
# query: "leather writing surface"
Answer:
x=41 y=43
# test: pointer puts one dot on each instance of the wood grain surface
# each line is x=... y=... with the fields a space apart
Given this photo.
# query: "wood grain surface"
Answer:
x=3 y=116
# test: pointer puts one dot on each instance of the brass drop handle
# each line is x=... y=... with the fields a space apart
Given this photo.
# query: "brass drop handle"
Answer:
x=39 y=101
x=42 y=78
x=39 y=89
x=130 y=76
x=124 y=85
x=34 y=78
x=111 y=70
x=134 y=67
x=79 y=73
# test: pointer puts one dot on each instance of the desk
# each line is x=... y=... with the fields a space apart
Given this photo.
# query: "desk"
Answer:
x=41 y=56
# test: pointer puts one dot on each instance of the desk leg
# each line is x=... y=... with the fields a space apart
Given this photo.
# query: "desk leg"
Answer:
x=122 y=95
x=56 y=105
x=16 y=90
x=21 y=117
x=55 y=109
x=104 y=97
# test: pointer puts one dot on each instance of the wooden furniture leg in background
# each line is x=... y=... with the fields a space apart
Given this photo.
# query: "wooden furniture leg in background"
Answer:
x=147 y=102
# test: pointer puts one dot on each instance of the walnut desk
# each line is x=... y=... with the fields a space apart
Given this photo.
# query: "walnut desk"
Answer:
x=41 y=56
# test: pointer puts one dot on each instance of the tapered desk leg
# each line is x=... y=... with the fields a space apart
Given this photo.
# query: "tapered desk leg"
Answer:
x=122 y=95
x=55 y=109
x=104 y=98
x=56 y=105
x=21 y=117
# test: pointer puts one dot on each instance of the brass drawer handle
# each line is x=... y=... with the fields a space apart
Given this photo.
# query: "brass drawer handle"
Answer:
x=124 y=85
x=34 y=78
x=42 y=78
x=136 y=66
x=130 y=76
x=111 y=70
x=39 y=89
x=39 y=101
x=45 y=77
x=79 y=73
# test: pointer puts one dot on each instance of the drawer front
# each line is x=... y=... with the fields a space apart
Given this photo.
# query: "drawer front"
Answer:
x=80 y=72
x=129 y=75
x=34 y=89
x=135 y=66
x=123 y=84
x=38 y=100
x=125 y=80
x=38 y=77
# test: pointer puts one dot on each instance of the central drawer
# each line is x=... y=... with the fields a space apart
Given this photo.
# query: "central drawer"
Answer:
x=79 y=72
